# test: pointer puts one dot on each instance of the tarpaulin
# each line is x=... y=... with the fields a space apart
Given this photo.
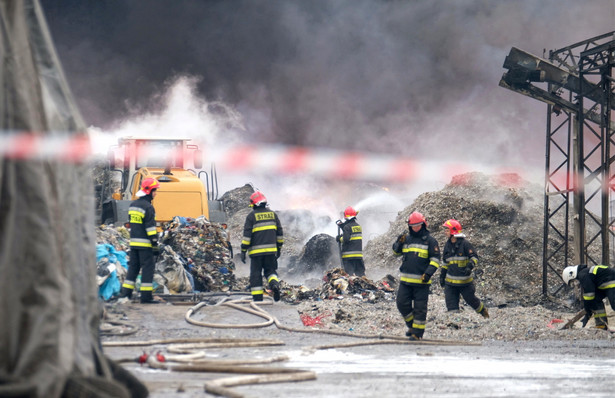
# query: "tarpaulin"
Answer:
x=48 y=293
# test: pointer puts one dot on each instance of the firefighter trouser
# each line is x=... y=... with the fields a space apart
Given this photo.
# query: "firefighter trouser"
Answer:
x=354 y=266
x=412 y=305
x=599 y=309
x=266 y=264
x=140 y=260
x=467 y=291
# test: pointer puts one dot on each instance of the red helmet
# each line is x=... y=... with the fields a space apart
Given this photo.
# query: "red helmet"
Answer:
x=148 y=185
x=350 y=212
x=257 y=199
x=416 y=218
x=453 y=226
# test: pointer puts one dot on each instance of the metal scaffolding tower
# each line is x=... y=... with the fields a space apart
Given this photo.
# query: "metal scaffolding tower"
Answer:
x=579 y=88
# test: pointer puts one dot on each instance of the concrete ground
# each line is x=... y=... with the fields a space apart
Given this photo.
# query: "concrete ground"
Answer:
x=488 y=369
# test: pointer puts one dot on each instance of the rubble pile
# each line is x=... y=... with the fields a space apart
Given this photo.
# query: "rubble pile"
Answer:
x=206 y=249
x=337 y=284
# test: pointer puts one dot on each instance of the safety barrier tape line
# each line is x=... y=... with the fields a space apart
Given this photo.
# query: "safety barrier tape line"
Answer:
x=274 y=159
x=56 y=146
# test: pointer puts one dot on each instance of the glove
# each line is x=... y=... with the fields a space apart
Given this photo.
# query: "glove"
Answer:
x=586 y=318
x=339 y=222
x=467 y=271
x=442 y=279
x=478 y=272
x=401 y=238
x=425 y=278
x=243 y=257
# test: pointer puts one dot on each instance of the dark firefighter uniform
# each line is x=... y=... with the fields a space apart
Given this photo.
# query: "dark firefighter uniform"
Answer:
x=597 y=282
x=458 y=260
x=143 y=242
x=421 y=259
x=351 y=241
x=262 y=240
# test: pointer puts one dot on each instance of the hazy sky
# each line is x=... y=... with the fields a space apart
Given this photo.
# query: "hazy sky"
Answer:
x=402 y=77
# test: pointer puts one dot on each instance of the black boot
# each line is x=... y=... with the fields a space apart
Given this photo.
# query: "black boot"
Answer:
x=275 y=288
x=147 y=298
x=125 y=292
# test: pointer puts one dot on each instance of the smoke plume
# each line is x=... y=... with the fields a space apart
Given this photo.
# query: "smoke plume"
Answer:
x=414 y=78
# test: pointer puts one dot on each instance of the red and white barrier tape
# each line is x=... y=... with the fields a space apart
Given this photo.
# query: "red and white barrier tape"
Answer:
x=256 y=159
x=61 y=147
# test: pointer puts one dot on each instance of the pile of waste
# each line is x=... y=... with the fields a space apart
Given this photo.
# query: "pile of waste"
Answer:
x=337 y=284
x=205 y=249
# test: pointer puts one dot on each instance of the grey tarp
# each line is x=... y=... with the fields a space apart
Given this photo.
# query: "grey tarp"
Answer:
x=49 y=308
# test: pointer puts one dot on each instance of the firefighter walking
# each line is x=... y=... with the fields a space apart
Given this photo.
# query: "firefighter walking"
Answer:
x=262 y=241
x=597 y=283
x=458 y=260
x=143 y=243
x=351 y=241
x=421 y=259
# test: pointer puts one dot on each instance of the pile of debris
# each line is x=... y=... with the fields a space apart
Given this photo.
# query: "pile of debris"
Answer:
x=205 y=252
x=337 y=284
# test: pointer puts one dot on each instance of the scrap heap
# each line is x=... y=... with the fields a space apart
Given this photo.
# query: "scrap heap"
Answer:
x=207 y=251
x=337 y=284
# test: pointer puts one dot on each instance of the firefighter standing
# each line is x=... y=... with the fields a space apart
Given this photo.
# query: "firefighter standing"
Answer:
x=351 y=240
x=421 y=259
x=262 y=241
x=143 y=243
x=597 y=283
x=458 y=260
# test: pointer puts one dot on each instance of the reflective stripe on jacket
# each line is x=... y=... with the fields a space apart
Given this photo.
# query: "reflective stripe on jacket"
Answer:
x=421 y=255
x=352 y=239
x=593 y=278
x=262 y=232
x=142 y=218
x=458 y=259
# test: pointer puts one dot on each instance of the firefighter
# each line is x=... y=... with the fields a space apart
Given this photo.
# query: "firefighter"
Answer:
x=458 y=260
x=597 y=282
x=143 y=243
x=351 y=240
x=262 y=241
x=421 y=259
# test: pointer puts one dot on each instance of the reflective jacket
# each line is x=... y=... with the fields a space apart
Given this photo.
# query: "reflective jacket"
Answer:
x=262 y=232
x=458 y=260
x=143 y=234
x=352 y=239
x=421 y=255
x=592 y=278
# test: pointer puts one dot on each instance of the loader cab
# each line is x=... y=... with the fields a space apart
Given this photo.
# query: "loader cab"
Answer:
x=174 y=162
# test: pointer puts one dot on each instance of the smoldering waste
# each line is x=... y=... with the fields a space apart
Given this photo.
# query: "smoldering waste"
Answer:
x=502 y=217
